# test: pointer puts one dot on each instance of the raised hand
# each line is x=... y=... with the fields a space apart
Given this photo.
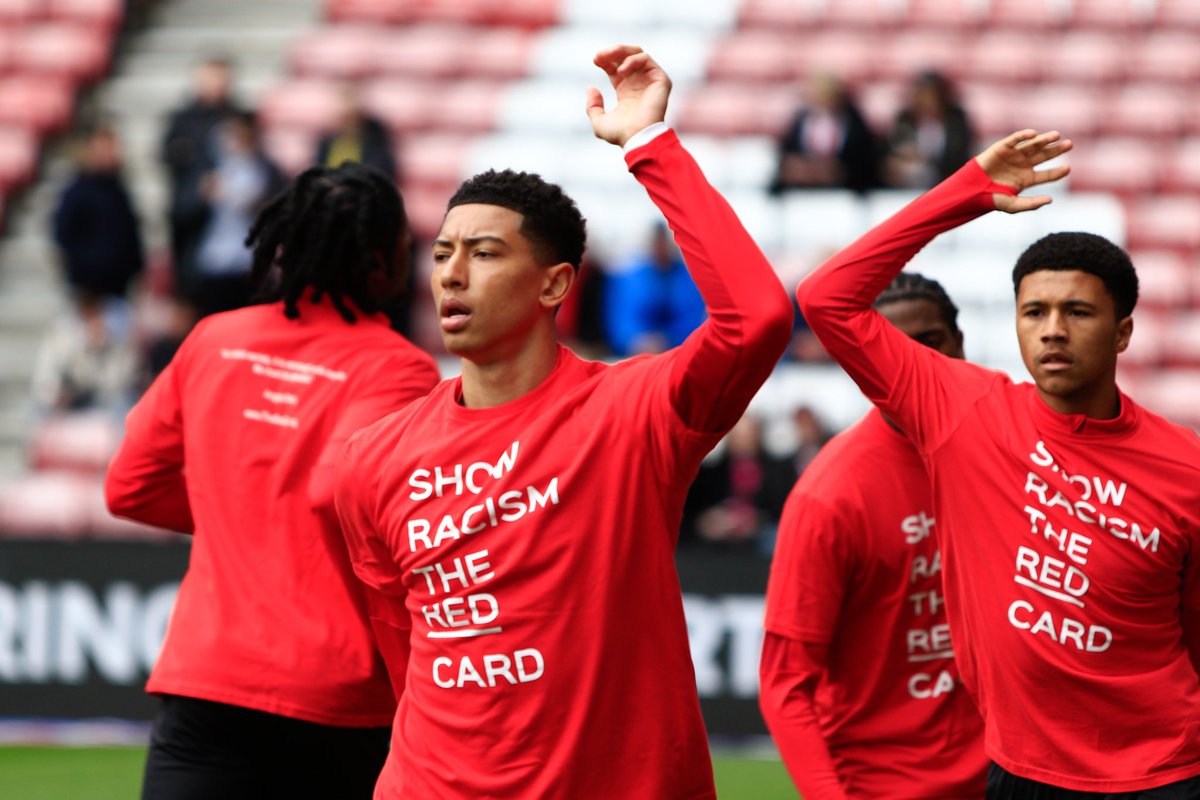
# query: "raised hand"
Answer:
x=642 y=90
x=1011 y=161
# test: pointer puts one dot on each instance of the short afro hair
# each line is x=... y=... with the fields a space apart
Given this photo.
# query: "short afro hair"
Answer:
x=1088 y=253
x=914 y=286
x=552 y=222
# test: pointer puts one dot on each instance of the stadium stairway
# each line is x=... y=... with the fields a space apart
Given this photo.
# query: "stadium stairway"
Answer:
x=151 y=76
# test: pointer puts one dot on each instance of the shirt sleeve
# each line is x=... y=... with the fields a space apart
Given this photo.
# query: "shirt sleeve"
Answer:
x=812 y=566
x=355 y=492
x=922 y=390
x=388 y=390
x=146 y=480
x=714 y=374
x=788 y=676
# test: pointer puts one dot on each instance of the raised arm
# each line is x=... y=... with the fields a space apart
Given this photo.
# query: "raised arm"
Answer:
x=836 y=299
x=716 y=372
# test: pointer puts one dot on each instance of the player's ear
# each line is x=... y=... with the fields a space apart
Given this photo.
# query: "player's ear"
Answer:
x=1124 y=333
x=556 y=284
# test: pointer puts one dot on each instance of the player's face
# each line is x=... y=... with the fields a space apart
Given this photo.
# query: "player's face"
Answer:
x=489 y=289
x=923 y=321
x=1070 y=336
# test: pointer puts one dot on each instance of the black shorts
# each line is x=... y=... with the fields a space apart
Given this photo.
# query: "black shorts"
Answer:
x=201 y=750
x=1003 y=785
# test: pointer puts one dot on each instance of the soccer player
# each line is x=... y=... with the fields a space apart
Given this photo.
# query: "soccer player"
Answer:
x=270 y=679
x=519 y=523
x=859 y=686
x=1068 y=516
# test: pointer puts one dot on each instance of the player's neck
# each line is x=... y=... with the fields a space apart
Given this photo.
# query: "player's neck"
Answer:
x=1103 y=402
x=501 y=378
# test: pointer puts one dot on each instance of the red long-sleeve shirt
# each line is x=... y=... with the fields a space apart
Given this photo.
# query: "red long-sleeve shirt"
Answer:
x=1071 y=545
x=860 y=688
x=235 y=441
x=530 y=546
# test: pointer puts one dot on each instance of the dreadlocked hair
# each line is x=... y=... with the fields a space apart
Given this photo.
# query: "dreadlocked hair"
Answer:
x=551 y=221
x=915 y=286
x=326 y=231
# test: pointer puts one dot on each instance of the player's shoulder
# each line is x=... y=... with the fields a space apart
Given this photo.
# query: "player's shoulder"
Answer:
x=386 y=431
x=1157 y=432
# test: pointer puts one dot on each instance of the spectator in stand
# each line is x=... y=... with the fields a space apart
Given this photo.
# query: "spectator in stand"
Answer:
x=931 y=137
x=738 y=495
x=95 y=225
x=184 y=147
x=652 y=304
x=358 y=137
x=87 y=361
x=811 y=436
x=827 y=145
x=238 y=179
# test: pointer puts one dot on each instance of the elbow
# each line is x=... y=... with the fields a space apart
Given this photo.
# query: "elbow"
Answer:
x=774 y=322
x=119 y=501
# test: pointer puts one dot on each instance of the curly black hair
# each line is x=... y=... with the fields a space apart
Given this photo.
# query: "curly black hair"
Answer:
x=551 y=220
x=326 y=231
x=1088 y=253
x=915 y=286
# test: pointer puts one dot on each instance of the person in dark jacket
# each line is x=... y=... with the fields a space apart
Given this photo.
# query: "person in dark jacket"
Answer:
x=95 y=225
x=931 y=137
x=358 y=137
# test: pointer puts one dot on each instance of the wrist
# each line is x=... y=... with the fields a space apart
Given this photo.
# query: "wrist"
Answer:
x=645 y=136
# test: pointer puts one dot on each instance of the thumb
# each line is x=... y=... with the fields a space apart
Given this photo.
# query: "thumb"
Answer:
x=595 y=103
x=1015 y=204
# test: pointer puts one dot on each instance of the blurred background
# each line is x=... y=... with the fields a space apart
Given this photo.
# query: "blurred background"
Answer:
x=139 y=137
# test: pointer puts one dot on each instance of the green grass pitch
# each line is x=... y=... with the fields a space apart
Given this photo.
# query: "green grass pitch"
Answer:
x=114 y=773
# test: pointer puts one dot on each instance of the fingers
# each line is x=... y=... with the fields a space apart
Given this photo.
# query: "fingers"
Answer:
x=611 y=58
x=1016 y=204
x=595 y=102
x=1053 y=174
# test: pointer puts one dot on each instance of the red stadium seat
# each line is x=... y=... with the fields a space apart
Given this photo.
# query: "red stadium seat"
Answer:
x=528 y=14
x=731 y=109
x=780 y=14
x=55 y=504
x=1165 y=56
x=386 y=12
x=1181 y=167
x=880 y=102
x=864 y=13
x=1076 y=111
x=467 y=106
x=104 y=14
x=1146 y=110
x=292 y=149
x=1038 y=14
x=77 y=52
x=1127 y=166
x=8 y=47
x=1121 y=15
x=992 y=109
x=911 y=52
x=41 y=103
x=1165 y=221
x=757 y=55
x=425 y=205
x=344 y=52
x=433 y=160
x=429 y=50
x=1147 y=346
x=499 y=53
x=307 y=104
x=404 y=105
x=1164 y=278
x=1182 y=343
x=1086 y=57
x=1172 y=14
x=19 y=11
x=18 y=157
x=1006 y=56
x=924 y=14
x=1173 y=394
x=80 y=442
x=850 y=55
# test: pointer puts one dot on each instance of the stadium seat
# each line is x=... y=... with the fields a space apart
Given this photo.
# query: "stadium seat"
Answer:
x=466 y=106
x=15 y=12
x=1147 y=346
x=1029 y=14
x=1127 y=166
x=385 y=12
x=499 y=53
x=401 y=104
x=427 y=50
x=754 y=56
x=39 y=102
x=926 y=14
x=75 y=51
x=780 y=14
x=1007 y=56
x=1077 y=111
x=1180 y=170
x=1181 y=345
x=1173 y=394
x=1165 y=56
x=53 y=504
x=850 y=55
x=18 y=157
x=821 y=221
x=1122 y=15
x=1174 y=14
x=729 y=109
x=1164 y=278
x=854 y=14
x=880 y=102
x=1151 y=110
x=992 y=109
x=81 y=442
x=344 y=52
x=1086 y=57
x=1165 y=221
x=307 y=104
x=914 y=51
x=433 y=160
x=292 y=149
x=103 y=14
